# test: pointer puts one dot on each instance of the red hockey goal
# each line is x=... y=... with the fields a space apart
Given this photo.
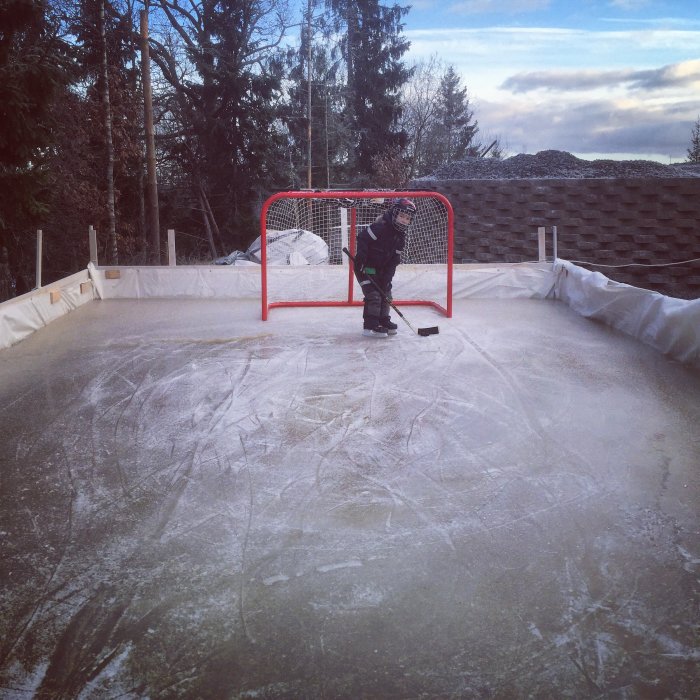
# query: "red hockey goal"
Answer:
x=309 y=229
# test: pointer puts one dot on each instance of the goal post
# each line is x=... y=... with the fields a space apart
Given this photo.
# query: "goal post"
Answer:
x=303 y=233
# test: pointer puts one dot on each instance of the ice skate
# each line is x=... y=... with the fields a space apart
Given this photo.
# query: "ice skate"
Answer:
x=376 y=332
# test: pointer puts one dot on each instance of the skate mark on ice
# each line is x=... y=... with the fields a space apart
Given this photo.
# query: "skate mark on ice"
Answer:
x=528 y=413
x=351 y=564
x=397 y=496
x=244 y=548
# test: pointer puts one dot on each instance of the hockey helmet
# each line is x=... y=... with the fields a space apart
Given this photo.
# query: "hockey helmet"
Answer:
x=402 y=212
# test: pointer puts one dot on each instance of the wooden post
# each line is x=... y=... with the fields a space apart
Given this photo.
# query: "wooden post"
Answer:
x=6 y=286
x=39 y=253
x=541 y=243
x=554 y=243
x=92 y=237
x=171 y=248
x=152 y=181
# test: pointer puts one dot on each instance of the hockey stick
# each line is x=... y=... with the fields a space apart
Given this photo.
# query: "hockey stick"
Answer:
x=432 y=330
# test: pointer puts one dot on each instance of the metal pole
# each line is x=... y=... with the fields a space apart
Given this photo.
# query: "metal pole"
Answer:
x=353 y=247
x=263 y=258
x=344 y=234
x=554 y=242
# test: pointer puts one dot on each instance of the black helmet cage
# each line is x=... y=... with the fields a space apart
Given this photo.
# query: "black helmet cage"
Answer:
x=405 y=206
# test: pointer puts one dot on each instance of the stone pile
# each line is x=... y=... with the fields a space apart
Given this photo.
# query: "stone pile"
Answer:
x=558 y=165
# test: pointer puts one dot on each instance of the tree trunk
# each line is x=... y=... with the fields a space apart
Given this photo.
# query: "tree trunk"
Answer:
x=152 y=184
x=140 y=174
x=207 y=225
x=107 y=114
x=212 y=220
x=352 y=97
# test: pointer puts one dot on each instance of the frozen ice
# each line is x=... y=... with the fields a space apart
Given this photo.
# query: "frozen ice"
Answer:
x=196 y=503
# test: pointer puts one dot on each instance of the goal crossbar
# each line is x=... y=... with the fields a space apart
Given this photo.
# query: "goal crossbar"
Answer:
x=428 y=251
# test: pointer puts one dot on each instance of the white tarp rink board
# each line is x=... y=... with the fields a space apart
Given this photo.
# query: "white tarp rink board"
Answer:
x=670 y=325
x=23 y=315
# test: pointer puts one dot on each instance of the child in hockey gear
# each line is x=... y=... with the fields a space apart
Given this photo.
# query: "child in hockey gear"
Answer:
x=379 y=249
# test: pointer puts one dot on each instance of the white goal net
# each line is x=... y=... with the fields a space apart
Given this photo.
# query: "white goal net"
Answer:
x=302 y=236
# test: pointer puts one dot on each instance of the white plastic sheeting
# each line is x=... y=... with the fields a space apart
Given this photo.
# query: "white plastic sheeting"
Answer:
x=183 y=282
x=291 y=247
x=668 y=324
x=515 y=281
x=531 y=280
x=294 y=246
x=21 y=316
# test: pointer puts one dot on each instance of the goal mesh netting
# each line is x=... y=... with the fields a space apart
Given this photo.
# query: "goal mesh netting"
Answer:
x=310 y=229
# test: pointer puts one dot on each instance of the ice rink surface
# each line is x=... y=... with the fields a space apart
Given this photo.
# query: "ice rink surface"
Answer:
x=198 y=504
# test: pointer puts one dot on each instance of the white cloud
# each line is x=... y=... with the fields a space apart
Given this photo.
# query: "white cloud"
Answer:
x=577 y=90
x=629 y=4
x=560 y=47
x=475 y=7
x=589 y=126
x=686 y=73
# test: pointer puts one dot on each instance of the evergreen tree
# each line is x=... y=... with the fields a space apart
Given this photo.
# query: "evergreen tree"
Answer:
x=106 y=142
x=439 y=121
x=34 y=64
x=220 y=129
x=372 y=48
x=454 y=130
x=35 y=68
x=420 y=104
x=694 y=150
x=327 y=128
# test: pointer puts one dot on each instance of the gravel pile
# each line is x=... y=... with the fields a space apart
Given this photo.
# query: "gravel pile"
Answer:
x=557 y=164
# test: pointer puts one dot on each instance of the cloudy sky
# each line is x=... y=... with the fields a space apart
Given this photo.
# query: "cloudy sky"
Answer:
x=598 y=78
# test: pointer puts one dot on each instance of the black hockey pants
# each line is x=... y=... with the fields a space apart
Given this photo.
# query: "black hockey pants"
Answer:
x=377 y=310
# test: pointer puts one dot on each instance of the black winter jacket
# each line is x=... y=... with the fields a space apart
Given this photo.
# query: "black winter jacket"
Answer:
x=379 y=245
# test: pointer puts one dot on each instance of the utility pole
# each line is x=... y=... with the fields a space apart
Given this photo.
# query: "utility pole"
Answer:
x=308 y=96
x=152 y=181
